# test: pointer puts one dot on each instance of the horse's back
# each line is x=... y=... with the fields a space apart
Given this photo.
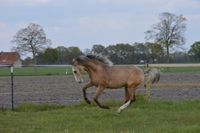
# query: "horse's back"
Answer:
x=124 y=76
x=126 y=70
x=136 y=76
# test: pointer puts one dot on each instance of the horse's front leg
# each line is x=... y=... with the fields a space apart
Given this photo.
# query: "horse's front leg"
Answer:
x=84 y=92
x=98 y=93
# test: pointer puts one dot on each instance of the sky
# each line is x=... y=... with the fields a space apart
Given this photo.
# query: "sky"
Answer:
x=84 y=23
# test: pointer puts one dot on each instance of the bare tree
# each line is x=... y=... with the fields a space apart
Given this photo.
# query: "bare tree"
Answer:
x=31 y=39
x=168 y=32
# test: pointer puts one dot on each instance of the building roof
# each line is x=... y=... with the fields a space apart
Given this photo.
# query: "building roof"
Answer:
x=8 y=58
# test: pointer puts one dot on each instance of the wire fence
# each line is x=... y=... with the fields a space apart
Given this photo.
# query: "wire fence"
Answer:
x=10 y=80
x=48 y=84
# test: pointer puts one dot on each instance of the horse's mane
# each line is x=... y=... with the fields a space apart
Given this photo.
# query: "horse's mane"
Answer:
x=99 y=58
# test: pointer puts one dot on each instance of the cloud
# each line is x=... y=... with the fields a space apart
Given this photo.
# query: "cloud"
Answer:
x=88 y=21
x=23 y=2
x=102 y=23
x=145 y=2
x=55 y=28
x=164 y=5
x=7 y=31
x=6 y=35
x=193 y=21
x=3 y=25
x=183 y=5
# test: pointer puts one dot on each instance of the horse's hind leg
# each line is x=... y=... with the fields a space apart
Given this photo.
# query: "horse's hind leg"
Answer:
x=126 y=94
x=131 y=92
x=84 y=92
x=98 y=93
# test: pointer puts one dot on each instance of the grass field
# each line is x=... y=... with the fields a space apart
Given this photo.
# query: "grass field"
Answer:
x=180 y=69
x=140 y=117
x=30 y=71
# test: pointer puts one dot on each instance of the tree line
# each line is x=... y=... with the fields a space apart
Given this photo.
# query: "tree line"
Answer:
x=119 y=54
x=161 y=39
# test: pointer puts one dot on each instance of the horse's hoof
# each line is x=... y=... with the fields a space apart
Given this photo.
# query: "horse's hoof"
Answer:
x=88 y=102
x=105 y=107
x=119 y=111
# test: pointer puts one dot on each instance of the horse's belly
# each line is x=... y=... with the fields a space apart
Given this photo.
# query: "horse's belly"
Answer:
x=115 y=85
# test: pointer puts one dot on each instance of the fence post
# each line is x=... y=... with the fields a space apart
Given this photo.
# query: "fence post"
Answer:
x=12 y=87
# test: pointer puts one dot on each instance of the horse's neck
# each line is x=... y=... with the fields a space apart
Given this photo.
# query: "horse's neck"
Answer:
x=93 y=70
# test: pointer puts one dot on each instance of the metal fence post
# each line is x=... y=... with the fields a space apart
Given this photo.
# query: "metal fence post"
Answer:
x=12 y=87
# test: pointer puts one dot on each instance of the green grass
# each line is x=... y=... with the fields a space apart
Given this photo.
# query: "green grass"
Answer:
x=140 y=117
x=30 y=71
x=180 y=69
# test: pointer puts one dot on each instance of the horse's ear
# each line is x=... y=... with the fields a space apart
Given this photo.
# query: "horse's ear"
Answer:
x=74 y=61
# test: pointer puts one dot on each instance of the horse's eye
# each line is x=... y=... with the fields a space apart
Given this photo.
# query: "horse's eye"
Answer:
x=75 y=72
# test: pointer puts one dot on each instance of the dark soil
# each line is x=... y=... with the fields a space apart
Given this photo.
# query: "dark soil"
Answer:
x=64 y=90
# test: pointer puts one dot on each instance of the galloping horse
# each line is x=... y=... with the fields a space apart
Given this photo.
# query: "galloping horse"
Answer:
x=103 y=75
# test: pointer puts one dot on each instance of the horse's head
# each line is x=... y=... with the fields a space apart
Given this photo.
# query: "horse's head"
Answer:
x=77 y=70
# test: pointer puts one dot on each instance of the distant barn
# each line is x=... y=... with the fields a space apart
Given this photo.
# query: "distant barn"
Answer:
x=10 y=58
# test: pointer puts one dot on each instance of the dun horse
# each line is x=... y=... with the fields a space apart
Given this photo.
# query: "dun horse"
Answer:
x=103 y=75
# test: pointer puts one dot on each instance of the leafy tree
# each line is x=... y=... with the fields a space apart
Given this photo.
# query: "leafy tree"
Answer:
x=73 y=52
x=121 y=53
x=181 y=57
x=87 y=51
x=195 y=51
x=27 y=61
x=155 y=51
x=50 y=56
x=98 y=49
x=31 y=39
x=169 y=31
x=141 y=52
x=62 y=54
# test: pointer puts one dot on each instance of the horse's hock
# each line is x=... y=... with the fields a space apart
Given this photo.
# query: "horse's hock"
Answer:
x=64 y=90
